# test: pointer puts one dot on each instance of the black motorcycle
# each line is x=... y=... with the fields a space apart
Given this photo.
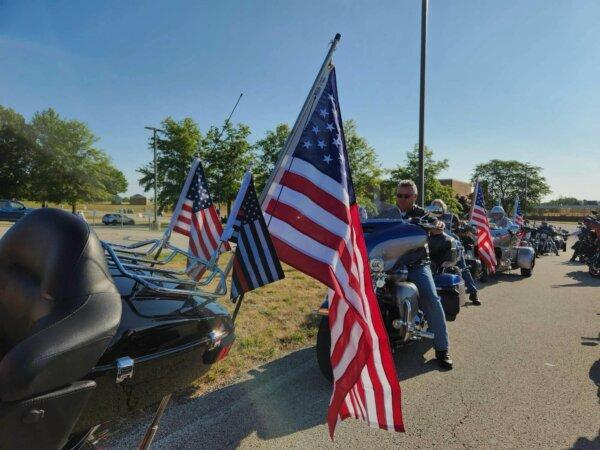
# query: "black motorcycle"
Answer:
x=91 y=332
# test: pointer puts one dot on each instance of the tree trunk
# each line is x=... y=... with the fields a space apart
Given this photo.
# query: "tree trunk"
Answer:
x=73 y=207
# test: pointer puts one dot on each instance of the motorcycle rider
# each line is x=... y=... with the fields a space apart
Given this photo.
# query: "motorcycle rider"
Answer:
x=449 y=218
x=420 y=275
x=498 y=217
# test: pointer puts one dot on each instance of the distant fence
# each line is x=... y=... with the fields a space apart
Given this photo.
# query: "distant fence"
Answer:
x=574 y=213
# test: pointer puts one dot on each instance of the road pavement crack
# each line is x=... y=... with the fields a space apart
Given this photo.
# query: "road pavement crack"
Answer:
x=462 y=420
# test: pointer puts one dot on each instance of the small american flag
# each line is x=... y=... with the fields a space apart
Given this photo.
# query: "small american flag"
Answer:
x=255 y=262
x=485 y=244
x=519 y=220
x=314 y=221
x=195 y=216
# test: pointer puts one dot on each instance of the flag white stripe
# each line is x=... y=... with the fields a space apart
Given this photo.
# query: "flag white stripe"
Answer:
x=318 y=178
x=243 y=252
x=336 y=331
x=349 y=351
x=314 y=212
x=265 y=246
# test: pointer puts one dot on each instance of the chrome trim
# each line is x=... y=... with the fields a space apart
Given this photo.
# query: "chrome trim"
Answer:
x=124 y=369
x=142 y=262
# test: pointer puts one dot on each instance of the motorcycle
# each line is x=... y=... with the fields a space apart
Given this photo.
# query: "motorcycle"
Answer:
x=594 y=260
x=392 y=246
x=549 y=241
x=91 y=332
x=509 y=254
x=585 y=247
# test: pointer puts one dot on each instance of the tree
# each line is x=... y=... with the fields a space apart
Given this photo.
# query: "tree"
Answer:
x=564 y=201
x=433 y=188
x=17 y=149
x=504 y=180
x=266 y=152
x=176 y=150
x=67 y=167
x=226 y=154
x=364 y=165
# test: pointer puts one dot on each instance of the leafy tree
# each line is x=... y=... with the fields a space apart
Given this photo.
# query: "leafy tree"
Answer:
x=433 y=188
x=67 y=167
x=364 y=164
x=176 y=150
x=564 y=201
x=17 y=149
x=266 y=152
x=504 y=180
x=226 y=154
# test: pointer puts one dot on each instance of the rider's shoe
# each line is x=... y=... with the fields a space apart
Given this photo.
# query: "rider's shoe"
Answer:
x=474 y=298
x=444 y=359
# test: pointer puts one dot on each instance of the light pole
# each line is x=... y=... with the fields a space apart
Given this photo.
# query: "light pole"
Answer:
x=155 y=130
x=421 y=181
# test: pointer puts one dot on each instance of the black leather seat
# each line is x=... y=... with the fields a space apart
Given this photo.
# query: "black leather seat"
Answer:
x=59 y=307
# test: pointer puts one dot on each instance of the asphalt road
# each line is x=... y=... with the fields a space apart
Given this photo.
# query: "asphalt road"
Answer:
x=527 y=375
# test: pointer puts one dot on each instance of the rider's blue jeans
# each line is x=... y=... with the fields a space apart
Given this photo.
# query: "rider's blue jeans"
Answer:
x=431 y=304
x=466 y=275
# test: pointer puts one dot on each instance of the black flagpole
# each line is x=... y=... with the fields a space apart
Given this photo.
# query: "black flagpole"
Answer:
x=421 y=181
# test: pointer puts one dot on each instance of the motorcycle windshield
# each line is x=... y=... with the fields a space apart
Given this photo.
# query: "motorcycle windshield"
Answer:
x=395 y=241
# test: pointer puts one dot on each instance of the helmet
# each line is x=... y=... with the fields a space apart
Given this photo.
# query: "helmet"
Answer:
x=497 y=213
x=498 y=210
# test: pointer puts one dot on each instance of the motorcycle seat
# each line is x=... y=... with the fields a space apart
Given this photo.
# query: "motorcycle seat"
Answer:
x=59 y=308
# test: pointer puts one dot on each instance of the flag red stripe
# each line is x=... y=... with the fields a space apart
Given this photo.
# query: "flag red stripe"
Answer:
x=316 y=194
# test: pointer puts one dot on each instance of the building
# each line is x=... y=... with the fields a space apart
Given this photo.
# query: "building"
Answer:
x=138 y=199
x=459 y=187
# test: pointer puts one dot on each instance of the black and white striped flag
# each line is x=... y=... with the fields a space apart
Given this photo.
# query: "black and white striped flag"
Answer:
x=255 y=261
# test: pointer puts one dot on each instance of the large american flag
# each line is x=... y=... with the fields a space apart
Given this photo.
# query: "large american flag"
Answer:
x=485 y=243
x=315 y=225
x=195 y=216
x=518 y=213
x=255 y=262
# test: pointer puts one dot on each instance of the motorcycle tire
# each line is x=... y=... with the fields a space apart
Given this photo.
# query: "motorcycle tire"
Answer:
x=323 y=349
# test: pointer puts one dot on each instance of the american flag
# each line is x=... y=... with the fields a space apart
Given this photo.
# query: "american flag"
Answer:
x=485 y=244
x=195 y=216
x=314 y=221
x=518 y=213
x=255 y=262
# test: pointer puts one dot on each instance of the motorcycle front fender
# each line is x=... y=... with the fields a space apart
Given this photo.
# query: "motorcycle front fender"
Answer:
x=525 y=257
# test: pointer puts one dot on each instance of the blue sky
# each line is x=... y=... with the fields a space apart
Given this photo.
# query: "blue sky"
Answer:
x=506 y=79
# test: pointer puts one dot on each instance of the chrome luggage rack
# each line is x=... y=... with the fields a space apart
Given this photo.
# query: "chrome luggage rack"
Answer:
x=142 y=262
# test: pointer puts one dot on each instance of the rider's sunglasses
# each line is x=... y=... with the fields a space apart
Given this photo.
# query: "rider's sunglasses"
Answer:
x=406 y=196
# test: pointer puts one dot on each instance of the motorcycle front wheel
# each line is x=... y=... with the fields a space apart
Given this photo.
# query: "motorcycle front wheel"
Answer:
x=595 y=267
x=323 y=349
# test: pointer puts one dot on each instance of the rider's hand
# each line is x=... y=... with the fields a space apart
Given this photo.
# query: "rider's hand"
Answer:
x=439 y=228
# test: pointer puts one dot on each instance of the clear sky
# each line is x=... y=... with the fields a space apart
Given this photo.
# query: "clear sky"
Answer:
x=506 y=79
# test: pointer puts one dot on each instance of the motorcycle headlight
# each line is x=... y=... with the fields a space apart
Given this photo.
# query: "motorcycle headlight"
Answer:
x=376 y=265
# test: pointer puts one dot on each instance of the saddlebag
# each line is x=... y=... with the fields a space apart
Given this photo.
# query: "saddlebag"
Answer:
x=451 y=289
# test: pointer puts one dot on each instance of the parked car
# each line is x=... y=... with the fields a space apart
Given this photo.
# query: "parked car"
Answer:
x=117 y=219
x=12 y=210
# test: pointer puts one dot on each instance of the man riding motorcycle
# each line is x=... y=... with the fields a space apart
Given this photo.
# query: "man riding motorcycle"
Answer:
x=499 y=218
x=420 y=275
x=451 y=221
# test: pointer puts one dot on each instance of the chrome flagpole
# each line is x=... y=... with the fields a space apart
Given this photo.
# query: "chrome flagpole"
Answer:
x=302 y=117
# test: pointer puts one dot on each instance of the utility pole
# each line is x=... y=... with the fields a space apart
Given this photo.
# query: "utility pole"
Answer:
x=421 y=181
x=155 y=223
